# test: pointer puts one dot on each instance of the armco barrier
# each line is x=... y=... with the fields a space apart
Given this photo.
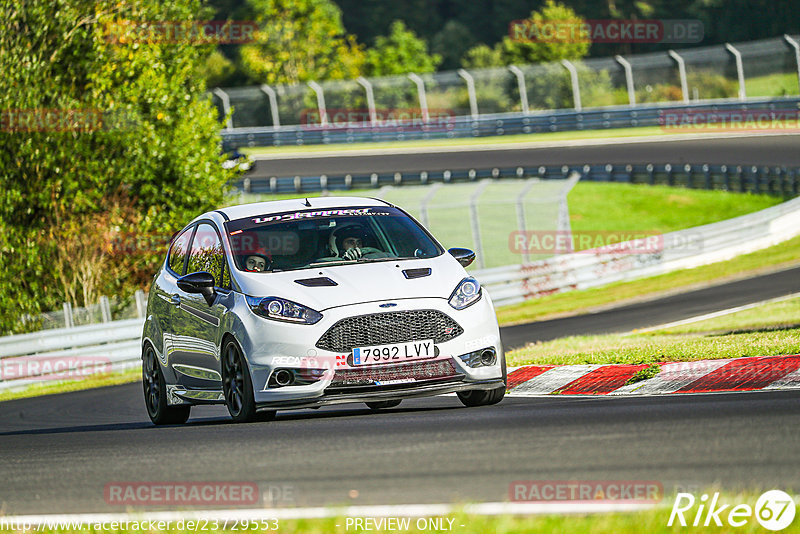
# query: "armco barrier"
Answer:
x=494 y=125
x=737 y=178
x=69 y=352
x=682 y=249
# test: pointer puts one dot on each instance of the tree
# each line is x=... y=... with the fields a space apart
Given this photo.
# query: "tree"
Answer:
x=523 y=51
x=107 y=139
x=451 y=43
x=399 y=52
x=300 y=41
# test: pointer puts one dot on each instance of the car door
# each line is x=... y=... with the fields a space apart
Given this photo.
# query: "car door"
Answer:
x=195 y=322
x=165 y=297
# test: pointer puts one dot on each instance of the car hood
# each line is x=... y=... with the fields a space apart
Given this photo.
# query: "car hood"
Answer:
x=357 y=283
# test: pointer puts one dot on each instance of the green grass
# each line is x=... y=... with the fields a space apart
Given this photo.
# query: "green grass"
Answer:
x=65 y=386
x=785 y=254
x=772 y=316
x=778 y=84
x=652 y=348
x=766 y=330
x=597 y=206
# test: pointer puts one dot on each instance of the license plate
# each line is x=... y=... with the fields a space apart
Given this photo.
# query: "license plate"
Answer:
x=394 y=353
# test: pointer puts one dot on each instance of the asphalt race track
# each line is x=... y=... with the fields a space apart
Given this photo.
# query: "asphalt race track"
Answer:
x=654 y=312
x=58 y=453
x=766 y=150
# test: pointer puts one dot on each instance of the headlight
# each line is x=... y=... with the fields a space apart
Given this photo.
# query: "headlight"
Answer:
x=467 y=293
x=283 y=310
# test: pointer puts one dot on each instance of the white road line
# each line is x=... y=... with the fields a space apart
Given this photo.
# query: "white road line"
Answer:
x=402 y=510
x=712 y=315
x=505 y=146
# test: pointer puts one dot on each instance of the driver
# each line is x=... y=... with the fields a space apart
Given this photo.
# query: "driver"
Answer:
x=256 y=263
x=348 y=243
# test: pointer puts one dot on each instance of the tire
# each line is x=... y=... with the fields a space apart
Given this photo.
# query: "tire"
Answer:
x=485 y=397
x=155 y=393
x=380 y=405
x=236 y=384
x=479 y=397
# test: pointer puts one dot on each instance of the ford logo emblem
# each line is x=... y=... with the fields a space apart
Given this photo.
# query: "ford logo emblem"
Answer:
x=388 y=305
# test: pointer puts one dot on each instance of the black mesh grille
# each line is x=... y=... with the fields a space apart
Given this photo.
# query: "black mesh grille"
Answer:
x=417 y=371
x=391 y=327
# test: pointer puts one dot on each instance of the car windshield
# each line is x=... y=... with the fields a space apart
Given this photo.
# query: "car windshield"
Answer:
x=312 y=238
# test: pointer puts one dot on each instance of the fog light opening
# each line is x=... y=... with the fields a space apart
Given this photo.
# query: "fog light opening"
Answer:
x=284 y=377
x=488 y=357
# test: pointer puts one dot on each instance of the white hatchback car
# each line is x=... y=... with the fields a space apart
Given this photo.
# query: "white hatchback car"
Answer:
x=299 y=304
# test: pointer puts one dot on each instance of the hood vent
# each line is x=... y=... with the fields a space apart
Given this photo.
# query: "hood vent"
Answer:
x=316 y=282
x=417 y=273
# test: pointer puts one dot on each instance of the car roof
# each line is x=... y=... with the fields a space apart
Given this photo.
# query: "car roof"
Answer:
x=297 y=204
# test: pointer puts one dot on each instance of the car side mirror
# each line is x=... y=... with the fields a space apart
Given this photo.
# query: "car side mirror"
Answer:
x=201 y=282
x=464 y=256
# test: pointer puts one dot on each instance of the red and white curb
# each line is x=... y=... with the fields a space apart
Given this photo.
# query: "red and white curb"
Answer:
x=704 y=376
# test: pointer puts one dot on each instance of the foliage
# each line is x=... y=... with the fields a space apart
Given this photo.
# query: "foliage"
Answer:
x=451 y=43
x=399 y=52
x=520 y=51
x=299 y=41
x=217 y=69
x=135 y=150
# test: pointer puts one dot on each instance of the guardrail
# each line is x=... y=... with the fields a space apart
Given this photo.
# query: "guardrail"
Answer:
x=776 y=180
x=683 y=249
x=494 y=124
x=69 y=353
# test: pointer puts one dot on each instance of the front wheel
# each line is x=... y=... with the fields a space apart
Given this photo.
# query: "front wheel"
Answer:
x=479 y=397
x=236 y=385
x=380 y=405
x=155 y=393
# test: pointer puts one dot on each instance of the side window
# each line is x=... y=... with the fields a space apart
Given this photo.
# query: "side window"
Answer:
x=206 y=253
x=178 y=250
x=226 y=276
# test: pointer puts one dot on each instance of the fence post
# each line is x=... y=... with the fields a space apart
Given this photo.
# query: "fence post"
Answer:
x=794 y=44
x=628 y=79
x=273 y=105
x=141 y=303
x=739 y=70
x=68 y=323
x=226 y=107
x=682 y=73
x=475 y=223
x=576 y=90
x=423 y=100
x=323 y=113
x=423 y=204
x=521 y=223
x=563 y=208
x=105 y=309
x=473 y=100
x=523 y=92
x=365 y=83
